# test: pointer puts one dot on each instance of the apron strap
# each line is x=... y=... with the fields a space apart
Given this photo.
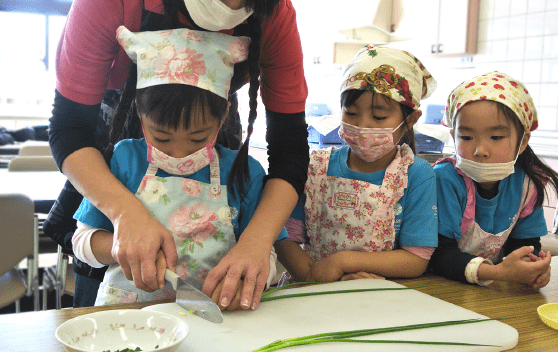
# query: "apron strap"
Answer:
x=469 y=213
x=214 y=174
x=151 y=169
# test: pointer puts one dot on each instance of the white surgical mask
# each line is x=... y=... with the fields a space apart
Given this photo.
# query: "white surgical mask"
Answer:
x=215 y=16
x=369 y=144
x=486 y=172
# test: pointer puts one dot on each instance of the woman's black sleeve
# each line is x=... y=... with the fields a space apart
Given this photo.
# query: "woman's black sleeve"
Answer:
x=288 y=150
x=449 y=261
x=72 y=127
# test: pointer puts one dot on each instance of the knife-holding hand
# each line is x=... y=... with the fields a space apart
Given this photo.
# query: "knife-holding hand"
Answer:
x=138 y=237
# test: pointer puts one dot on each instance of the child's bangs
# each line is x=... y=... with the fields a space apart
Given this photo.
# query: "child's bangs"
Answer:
x=512 y=118
x=174 y=105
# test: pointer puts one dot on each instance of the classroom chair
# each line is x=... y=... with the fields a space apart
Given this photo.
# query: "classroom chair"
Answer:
x=61 y=278
x=32 y=163
x=41 y=149
x=19 y=239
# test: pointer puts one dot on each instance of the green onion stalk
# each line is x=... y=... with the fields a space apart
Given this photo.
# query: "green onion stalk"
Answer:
x=345 y=336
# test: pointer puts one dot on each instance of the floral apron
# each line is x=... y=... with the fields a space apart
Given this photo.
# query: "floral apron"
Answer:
x=346 y=214
x=198 y=216
x=475 y=240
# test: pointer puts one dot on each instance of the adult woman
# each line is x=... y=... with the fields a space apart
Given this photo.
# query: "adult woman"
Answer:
x=91 y=66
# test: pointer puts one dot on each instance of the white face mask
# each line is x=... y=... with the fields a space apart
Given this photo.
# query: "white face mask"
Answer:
x=215 y=16
x=486 y=172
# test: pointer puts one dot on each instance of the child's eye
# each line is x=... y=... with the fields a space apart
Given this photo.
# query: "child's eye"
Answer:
x=349 y=113
x=380 y=118
x=161 y=140
x=497 y=138
x=199 y=140
x=465 y=138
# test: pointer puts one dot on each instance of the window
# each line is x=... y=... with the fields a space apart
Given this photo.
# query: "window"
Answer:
x=29 y=35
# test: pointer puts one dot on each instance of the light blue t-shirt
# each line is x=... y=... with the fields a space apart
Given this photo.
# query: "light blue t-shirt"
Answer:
x=416 y=225
x=129 y=165
x=492 y=215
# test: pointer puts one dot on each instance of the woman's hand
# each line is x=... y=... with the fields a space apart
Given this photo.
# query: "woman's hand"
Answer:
x=246 y=261
x=137 y=235
x=235 y=302
x=138 y=238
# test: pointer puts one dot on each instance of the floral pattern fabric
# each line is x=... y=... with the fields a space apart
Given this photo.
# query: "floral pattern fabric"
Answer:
x=404 y=79
x=498 y=87
x=199 y=218
x=184 y=56
x=345 y=214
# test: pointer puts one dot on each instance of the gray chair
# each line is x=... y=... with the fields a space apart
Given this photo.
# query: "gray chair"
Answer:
x=19 y=239
x=35 y=149
x=550 y=241
x=33 y=163
x=61 y=278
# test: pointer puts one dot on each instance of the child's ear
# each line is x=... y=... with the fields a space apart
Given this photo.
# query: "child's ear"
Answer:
x=525 y=141
x=413 y=118
x=451 y=133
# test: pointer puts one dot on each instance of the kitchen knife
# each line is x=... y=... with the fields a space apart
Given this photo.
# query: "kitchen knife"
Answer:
x=193 y=300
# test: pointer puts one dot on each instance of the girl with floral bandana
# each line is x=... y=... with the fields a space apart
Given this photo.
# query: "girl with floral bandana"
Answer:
x=369 y=208
x=177 y=170
x=490 y=193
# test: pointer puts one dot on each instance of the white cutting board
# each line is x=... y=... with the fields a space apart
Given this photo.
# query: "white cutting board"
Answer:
x=293 y=317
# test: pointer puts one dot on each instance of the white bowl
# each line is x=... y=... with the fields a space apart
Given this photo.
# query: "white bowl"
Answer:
x=113 y=330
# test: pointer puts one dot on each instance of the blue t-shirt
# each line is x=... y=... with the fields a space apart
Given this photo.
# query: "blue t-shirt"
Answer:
x=129 y=165
x=416 y=219
x=492 y=215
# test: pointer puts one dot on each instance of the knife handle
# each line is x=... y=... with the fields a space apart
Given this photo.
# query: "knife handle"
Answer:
x=172 y=278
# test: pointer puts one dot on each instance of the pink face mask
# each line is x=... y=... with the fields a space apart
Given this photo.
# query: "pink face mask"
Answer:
x=369 y=144
x=181 y=166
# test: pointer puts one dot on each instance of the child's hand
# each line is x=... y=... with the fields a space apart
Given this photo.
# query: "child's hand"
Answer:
x=361 y=275
x=514 y=268
x=543 y=279
x=161 y=267
x=326 y=269
x=235 y=302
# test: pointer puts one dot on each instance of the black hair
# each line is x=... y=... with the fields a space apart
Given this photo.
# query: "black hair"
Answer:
x=538 y=172
x=168 y=105
x=239 y=174
x=349 y=97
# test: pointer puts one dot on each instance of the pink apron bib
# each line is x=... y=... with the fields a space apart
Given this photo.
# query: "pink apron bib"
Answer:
x=345 y=214
x=199 y=218
x=475 y=240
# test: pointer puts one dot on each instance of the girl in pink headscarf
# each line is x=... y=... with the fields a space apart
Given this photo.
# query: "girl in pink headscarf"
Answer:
x=490 y=193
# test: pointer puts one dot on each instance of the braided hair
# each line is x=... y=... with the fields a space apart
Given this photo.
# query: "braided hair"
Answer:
x=126 y=119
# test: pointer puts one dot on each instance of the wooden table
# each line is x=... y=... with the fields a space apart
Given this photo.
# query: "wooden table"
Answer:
x=515 y=304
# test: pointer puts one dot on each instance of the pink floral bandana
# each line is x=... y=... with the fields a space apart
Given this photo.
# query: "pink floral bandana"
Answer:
x=392 y=72
x=498 y=87
x=184 y=56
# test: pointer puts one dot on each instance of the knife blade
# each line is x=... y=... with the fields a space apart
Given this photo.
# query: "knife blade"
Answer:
x=193 y=300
